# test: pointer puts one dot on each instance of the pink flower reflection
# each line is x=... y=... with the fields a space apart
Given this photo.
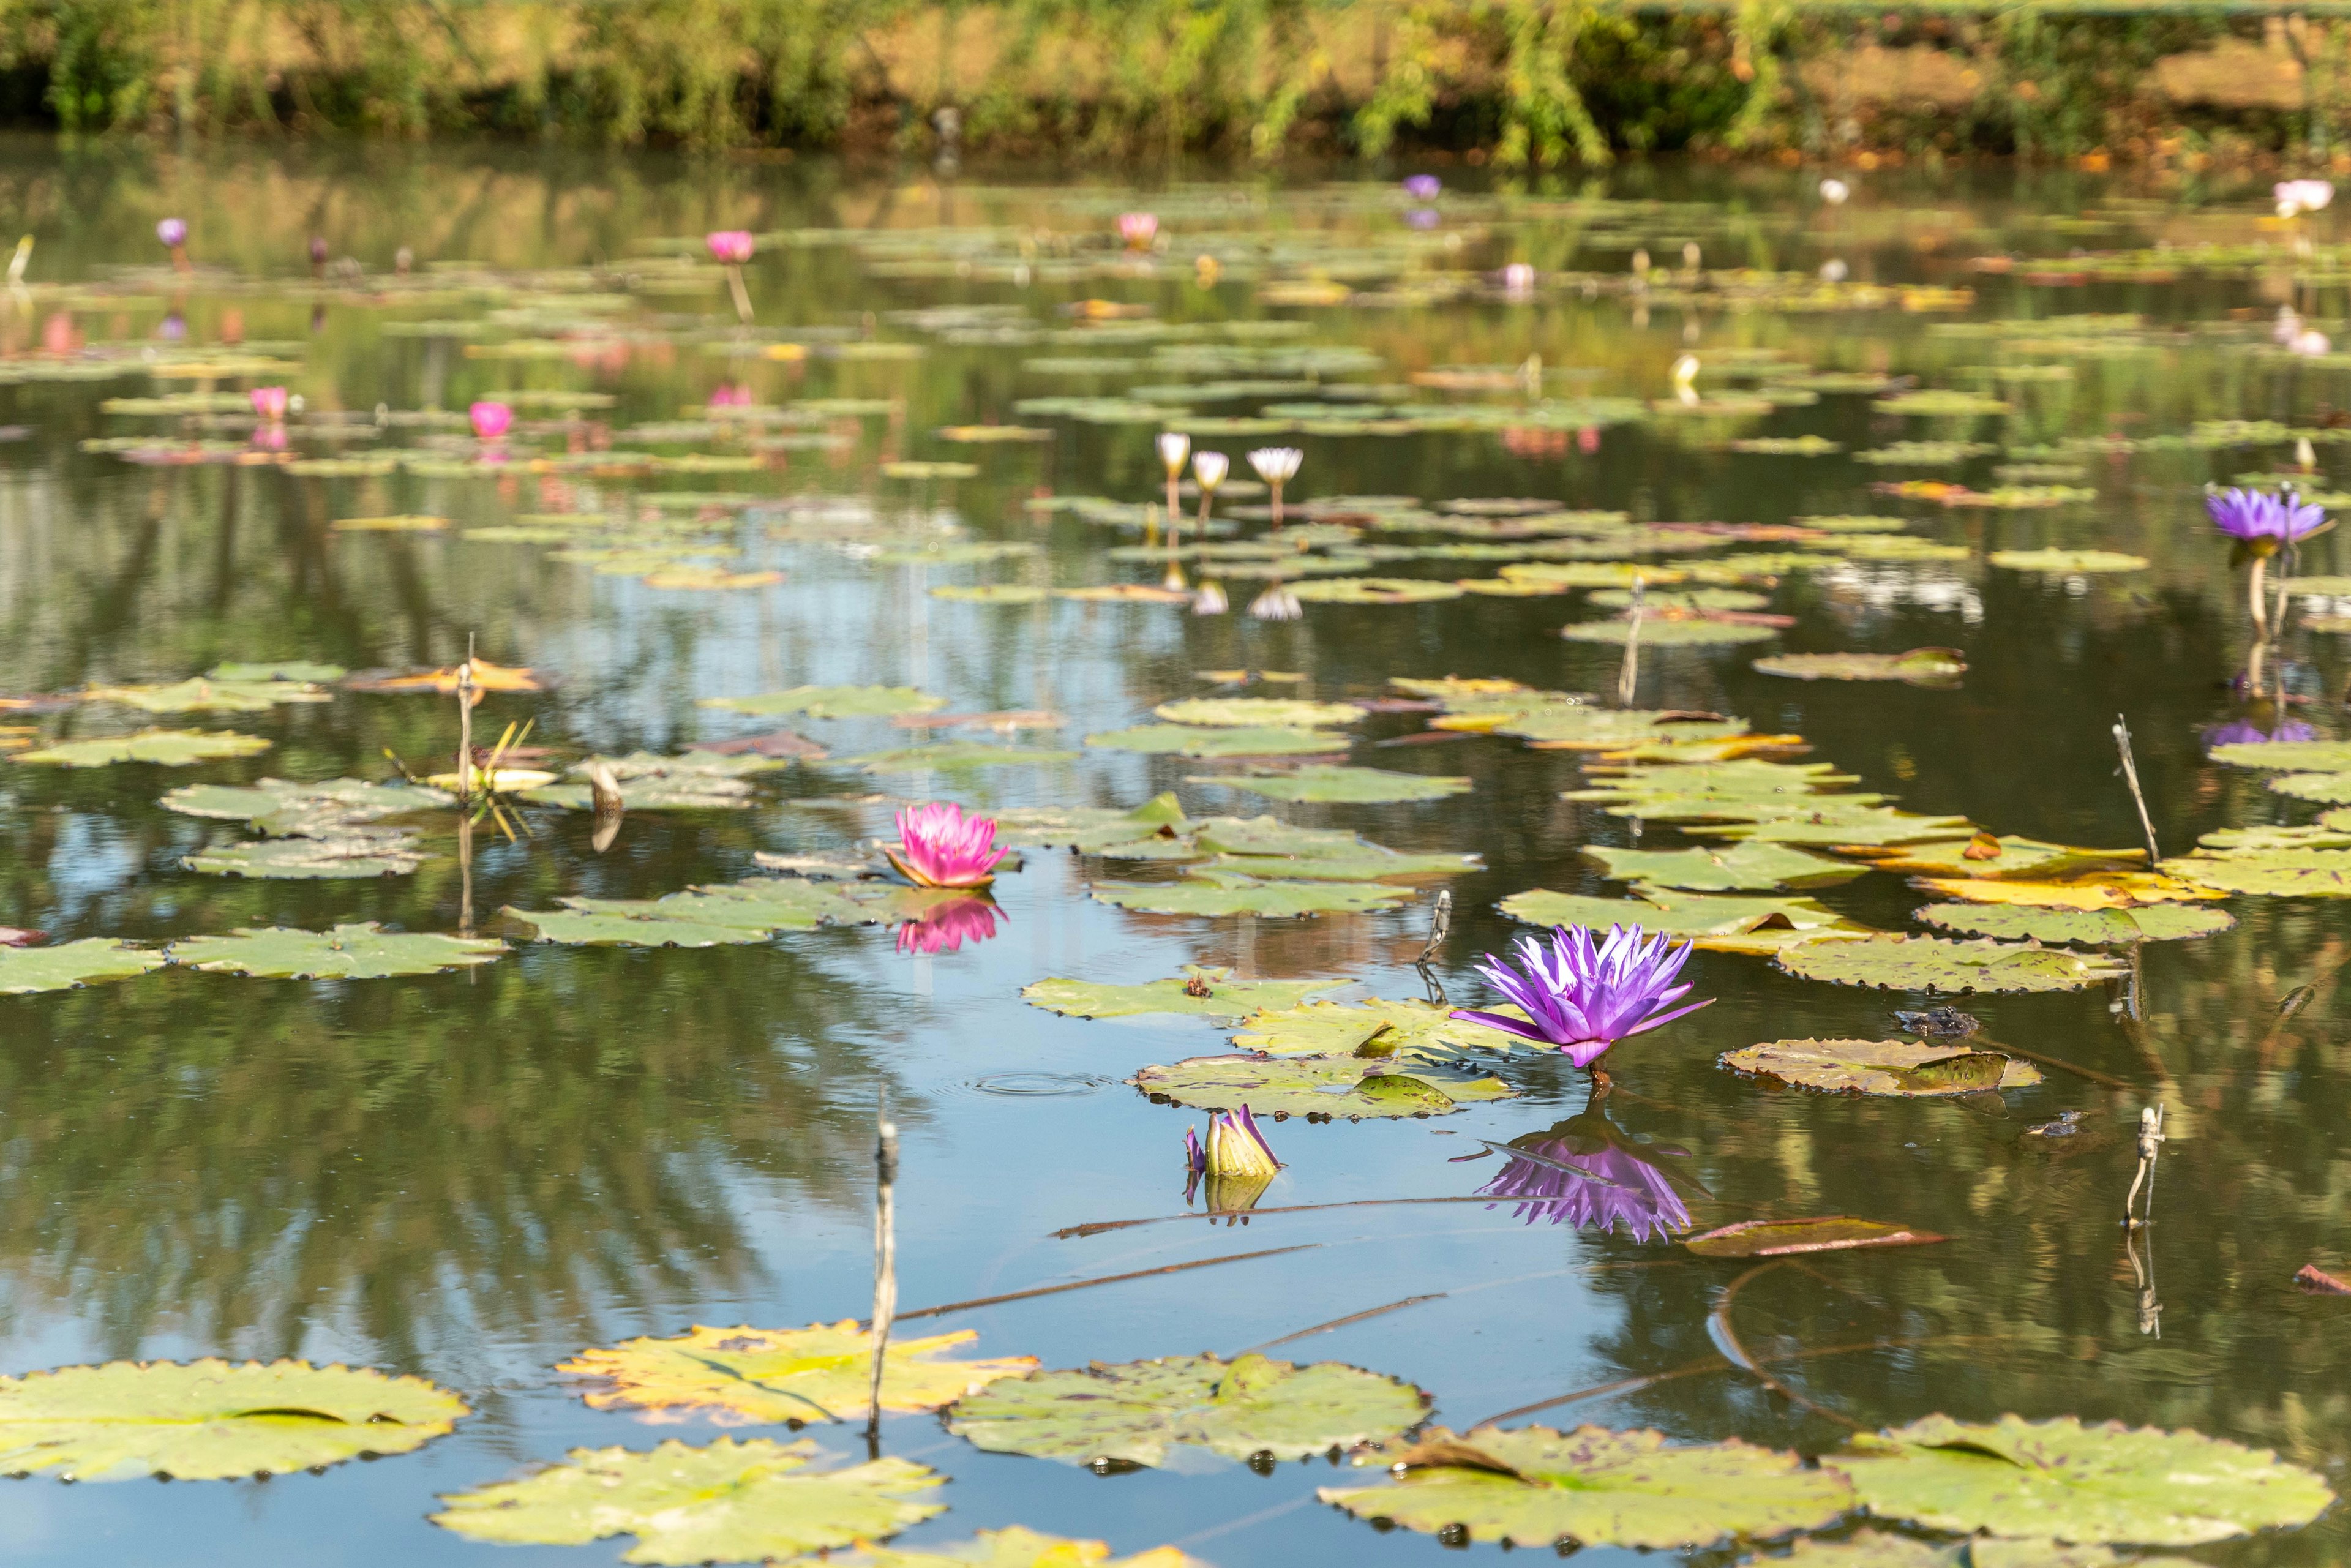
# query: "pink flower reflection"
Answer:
x=946 y=926
x=491 y=420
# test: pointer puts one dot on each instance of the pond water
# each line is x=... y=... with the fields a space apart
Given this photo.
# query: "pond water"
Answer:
x=472 y=1176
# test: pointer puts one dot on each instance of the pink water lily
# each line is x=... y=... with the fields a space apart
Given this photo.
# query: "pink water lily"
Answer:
x=731 y=246
x=269 y=403
x=1138 y=229
x=1584 y=997
x=491 y=420
x=938 y=846
x=946 y=927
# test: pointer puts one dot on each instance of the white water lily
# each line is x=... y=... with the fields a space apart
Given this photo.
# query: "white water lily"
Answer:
x=1173 y=448
x=1276 y=464
x=1209 y=599
x=1277 y=603
x=1834 y=192
x=1210 y=469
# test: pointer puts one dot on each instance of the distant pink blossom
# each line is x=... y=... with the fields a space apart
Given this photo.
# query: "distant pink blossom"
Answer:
x=726 y=394
x=269 y=403
x=1138 y=229
x=731 y=246
x=491 y=420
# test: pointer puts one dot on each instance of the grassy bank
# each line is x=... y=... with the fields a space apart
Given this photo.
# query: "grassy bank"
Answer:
x=1513 y=82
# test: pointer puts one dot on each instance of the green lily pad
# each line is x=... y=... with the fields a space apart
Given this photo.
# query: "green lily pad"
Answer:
x=1018 y=1547
x=2067 y=562
x=1939 y=402
x=636 y=928
x=1134 y=1412
x=1871 y=1549
x=1215 y=893
x=949 y=754
x=722 y=914
x=1320 y=1086
x=1534 y=1487
x=1185 y=740
x=1736 y=867
x=2282 y=874
x=2072 y=1481
x=24 y=970
x=1581 y=727
x=2082 y=927
x=1938 y=965
x=1592 y=573
x=1919 y=667
x=164 y=747
x=993 y=593
x=280 y=808
x=2012 y=857
x=1089 y=828
x=1259 y=712
x=1681 y=599
x=1670 y=633
x=1718 y=922
x=1374 y=590
x=1369 y=863
x=1849 y=828
x=729 y=1502
x=358 y=952
x=1218 y=996
x=1332 y=784
x=201 y=695
x=344 y=853
x=1893 y=1067
x=211 y=1420
x=1386 y=1031
x=283 y=670
x=1785 y=1238
x=833 y=702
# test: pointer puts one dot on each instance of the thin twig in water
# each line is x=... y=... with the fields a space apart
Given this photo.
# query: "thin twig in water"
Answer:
x=1988 y=1043
x=2138 y=796
x=1719 y=1363
x=1098 y=1227
x=885 y=1257
x=1728 y=1338
x=1440 y=921
x=2150 y=1144
x=1343 y=1322
x=1246 y=1520
x=1628 y=675
x=1105 y=1280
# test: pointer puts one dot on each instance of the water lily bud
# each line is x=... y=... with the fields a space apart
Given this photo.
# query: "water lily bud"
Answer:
x=1834 y=192
x=1173 y=448
x=172 y=232
x=1236 y=1148
x=731 y=247
x=1210 y=469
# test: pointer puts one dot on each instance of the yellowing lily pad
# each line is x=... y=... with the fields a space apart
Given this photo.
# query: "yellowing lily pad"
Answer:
x=356 y=952
x=1217 y=893
x=24 y=970
x=1187 y=740
x=1136 y=1411
x=833 y=702
x=1670 y=633
x=1893 y=1067
x=1266 y=713
x=2095 y=890
x=992 y=593
x=1919 y=667
x=410 y=523
x=821 y=1373
x=2067 y=562
x=2004 y=855
x=1373 y=591
x=1319 y=1086
x=2083 y=927
x=164 y=747
x=1328 y=783
x=1199 y=993
x=310 y=670
x=1718 y=922
x=729 y=1502
x=1938 y=965
x=1536 y=1486
x=212 y=1420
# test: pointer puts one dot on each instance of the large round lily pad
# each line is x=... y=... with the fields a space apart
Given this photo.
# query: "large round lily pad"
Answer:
x=358 y=952
x=200 y=695
x=1742 y=866
x=2285 y=873
x=833 y=702
x=1266 y=713
x=1940 y=965
x=2083 y=927
x=2067 y=562
x=1324 y=782
x=1214 y=893
x=1135 y=1411
x=1347 y=1086
x=164 y=747
x=212 y=1420
x=1720 y=923
x=1535 y=1486
x=1660 y=633
x=821 y=1373
x=1193 y=740
x=1897 y=1067
x=729 y=1502
x=2288 y=755
x=1201 y=993
x=24 y=970
x=344 y=853
x=1919 y=667
x=279 y=807
x=1373 y=591
x=2072 y=1481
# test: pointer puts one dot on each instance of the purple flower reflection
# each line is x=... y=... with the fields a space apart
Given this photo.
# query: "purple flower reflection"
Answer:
x=1422 y=217
x=2245 y=732
x=1584 y=1172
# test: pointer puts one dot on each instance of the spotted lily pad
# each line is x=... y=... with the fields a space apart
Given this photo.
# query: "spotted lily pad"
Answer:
x=1217 y=893
x=212 y=1420
x=200 y=695
x=2285 y=873
x=1729 y=869
x=1331 y=784
x=2082 y=927
x=342 y=853
x=356 y=952
x=24 y=970
x=1259 y=713
x=1659 y=632
x=833 y=702
x=1404 y=1031
x=1784 y=1237
x=729 y=1502
x=164 y=747
x=1895 y=1067
x=2067 y=562
x=2073 y=1482
x=1718 y=922
x=821 y=1373
x=281 y=808
x=1320 y=1086
x=1135 y=1411
x=1187 y=740
x=1373 y=591
x=1919 y=667
x=1199 y=993
x=1940 y=965
x=1536 y=1486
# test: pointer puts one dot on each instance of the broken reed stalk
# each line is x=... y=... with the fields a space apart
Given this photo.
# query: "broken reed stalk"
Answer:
x=1440 y=921
x=885 y=1254
x=1103 y=1279
x=1098 y=1227
x=2138 y=796
x=1350 y=1318
x=466 y=873
x=1628 y=673
x=2150 y=1144
x=466 y=729
x=1725 y=1336
x=742 y=296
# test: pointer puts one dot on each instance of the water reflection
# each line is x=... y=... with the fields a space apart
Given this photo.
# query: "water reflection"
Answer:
x=946 y=919
x=1589 y=1173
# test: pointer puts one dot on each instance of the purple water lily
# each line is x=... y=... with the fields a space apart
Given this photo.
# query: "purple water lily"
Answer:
x=1421 y=187
x=2263 y=521
x=1584 y=997
x=1584 y=1172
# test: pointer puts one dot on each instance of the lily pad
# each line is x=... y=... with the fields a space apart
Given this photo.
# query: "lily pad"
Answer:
x=1374 y=590
x=2283 y=873
x=1200 y=993
x=1535 y=1486
x=1215 y=893
x=729 y=1502
x=1733 y=868
x=1332 y=784
x=951 y=754
x=356 y=952
x=409 y=523
x=721 y=914
x=821 y=1373
x=1185 y=740
x=1895 y=1067
x=281 y=670
x=1670 y=633
x=1579 y=727
x=992 y=593
x=1018 y=1547
x=2067 y=562
x=347 y=852
x=1919 y=667
x=1718 y=922
x=1135 y=1411
x=1784 y=1237
x=164 y=747
x=833 y=702
x=2007 y=855
x=2091 y=890
x=2288 y=755
x=1404 y=1031
x=1089 y=828
x=1262 y=713
x=199 y=695
x=2082 y=927
x=2327 y=789
x=24 y=970
x=1319 y=1086
x=212 y=1420
x=281 y=808
x=1938 y=965
x=2072 y=1481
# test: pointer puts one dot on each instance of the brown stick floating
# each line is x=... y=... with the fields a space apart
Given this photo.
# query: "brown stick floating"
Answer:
x=1105 y=1280
x=1096 y=1228
x=1343 y=1322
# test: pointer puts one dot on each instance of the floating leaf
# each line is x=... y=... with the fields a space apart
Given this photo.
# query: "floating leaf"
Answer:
x=1373 y=1030
x=1225 y=893
x=1134 y=1412
x=2083 y=927
x=345 y=852
x=2288 y=755
x=1578 y=727
x=720 y=914
x=24 y=970
x=950 y=754
x=1089 y=828
x=821 y=1373
x=1261 y=713
x=164 y=747
x=2006 y=855
x=1216 y=995
x=280 y=808
x=1184 y=740
x=1017 y=1547
x=728 y=1502
x=356 y=952
x=1318 y=1086
x=1534 y=1487
x=708 y=579
x=1373 y=591
x=1717 y=923
x=1324 y=782
x=2328 y=789
x=1940 y=965
x=211 y=1420
x=487 y=677
x=2067 y=562
x=1783 y=1238
x=1670 y=633
x=1872 y=1549
x=282 y=670
x=1880 y=1067
x=992 y=593
x=2283 y=873
x=413 y=523
x=833 y=702
x=2097 y=890
x=2073 y=1482
x=1919 y=667
x=1738 y=866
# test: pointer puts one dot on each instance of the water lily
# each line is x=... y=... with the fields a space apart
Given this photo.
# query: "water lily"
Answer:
x=1276 y=466
x=1138 y=229
x=1174 y=446
x=938 y=846
x=1277 y=603
x=1209 y=600
x=1421 y=187
x=728 y=395
x=1517 y=280
x=1584 y=997
x=731 y=247
x=173 y=233
x=1836 y=192
x=318 y=252
x=2261 y=522
x=1586 y=1173
x=268 y=403
x=2297 y=196
x=491 y=420
x=1833 y=270
x=1235 y=1148
x=946 y=927
x=1209 y=468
